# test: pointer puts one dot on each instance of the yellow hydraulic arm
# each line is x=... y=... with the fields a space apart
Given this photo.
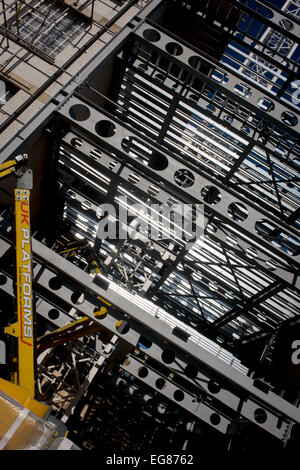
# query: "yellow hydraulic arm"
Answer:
x=24 y=423
x=75 y=330
x=23 y=328
x=18 y=165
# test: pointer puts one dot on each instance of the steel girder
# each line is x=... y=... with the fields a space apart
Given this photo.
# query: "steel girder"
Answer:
x=205 y=374
x=83 y=149
x=248 y=243
x=259 y=264
x=190 y=193
x=246 y=227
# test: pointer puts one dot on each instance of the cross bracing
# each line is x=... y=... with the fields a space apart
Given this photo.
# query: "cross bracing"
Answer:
x=179 y=124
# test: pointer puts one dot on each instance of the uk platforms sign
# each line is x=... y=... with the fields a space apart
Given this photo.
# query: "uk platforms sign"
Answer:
x=24 y=285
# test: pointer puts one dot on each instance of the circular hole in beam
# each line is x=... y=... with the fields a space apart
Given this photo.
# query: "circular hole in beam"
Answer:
x=184 y=178
x=79 y=112
x=168 y=356
x=143 y=372
x=271 y=265
x=144 y=343
x=3 y=279
x=95 y=153
x=213 y=387
x=71 y=194
x=53 y=314
x=76 y=142
x=178 y=395
x=158 y=161
x=101 y=312
x=211 y=108
x=211 y=228
x=133 y=178
x=105 y=128
x=238 y=211
x=152 y=190
x=265 y=228
x=211 y=194
x=155 y=160
x=191 y=371
x=231 y=240
x=174 y=48
x=215 y=419
x=77 y=297
x=86 y=205
x=260 y=415
x=122 y=384
x=122 y=327
x=265 y=104
x=160 y=383
x=112 y=165
x=55 y=283
x=251 y=252
x=195 y=62
x=289 y=118
x=151 y=35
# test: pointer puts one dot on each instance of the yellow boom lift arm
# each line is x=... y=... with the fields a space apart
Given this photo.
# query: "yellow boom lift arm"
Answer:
x=23 y=328
x=26 y=423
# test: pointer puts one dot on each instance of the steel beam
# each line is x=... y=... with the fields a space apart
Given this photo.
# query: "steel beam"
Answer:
x=141 y=324
x=249 y=304
x=198 y=407
x=246 y=228
x=138 y=316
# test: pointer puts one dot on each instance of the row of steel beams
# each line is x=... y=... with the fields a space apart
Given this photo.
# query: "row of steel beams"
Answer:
x=117 y=140
x=68 y=172
x=178 y=126
x=214 y=378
